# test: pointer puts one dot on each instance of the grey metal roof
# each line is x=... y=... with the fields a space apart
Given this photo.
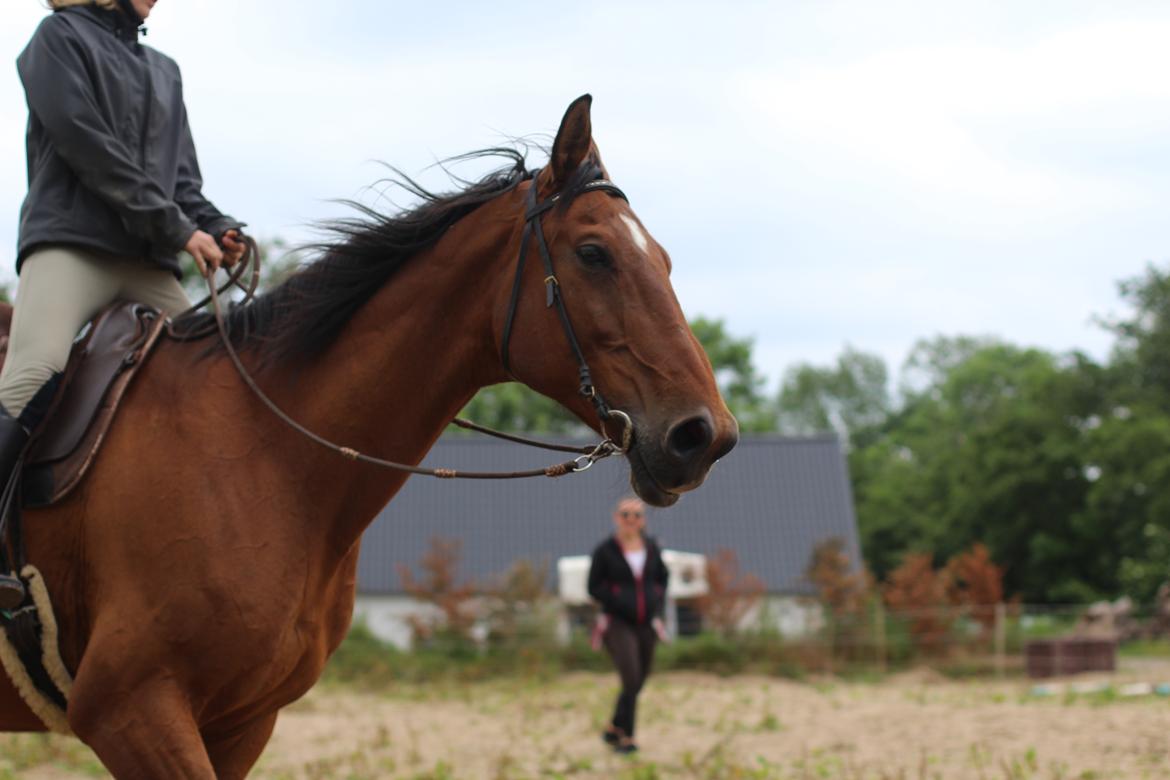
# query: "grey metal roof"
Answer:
x=771 y=501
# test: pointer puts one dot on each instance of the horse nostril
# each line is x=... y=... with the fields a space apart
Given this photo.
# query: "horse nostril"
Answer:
x=727 y=444
x=690 y=437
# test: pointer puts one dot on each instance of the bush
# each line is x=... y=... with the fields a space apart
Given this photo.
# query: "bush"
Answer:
x=731 y=593
x=366 y=661
x=918 y=591
x=363 y=659
x=708 y=652
x=437 y=585
x=975 y=582
x=579 y=656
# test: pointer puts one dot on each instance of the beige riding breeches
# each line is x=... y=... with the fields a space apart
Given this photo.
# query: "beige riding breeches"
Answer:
x=60 y=290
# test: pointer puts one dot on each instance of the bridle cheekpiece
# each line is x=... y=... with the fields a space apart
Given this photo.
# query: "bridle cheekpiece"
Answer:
x=533 y=213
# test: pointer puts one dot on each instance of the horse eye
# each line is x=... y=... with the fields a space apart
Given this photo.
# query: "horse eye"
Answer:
x=592 y=254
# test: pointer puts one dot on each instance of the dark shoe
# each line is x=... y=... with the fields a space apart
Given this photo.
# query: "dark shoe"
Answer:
x=611 y=737
x=625 y=747
x=15 y=431
x=13 y=437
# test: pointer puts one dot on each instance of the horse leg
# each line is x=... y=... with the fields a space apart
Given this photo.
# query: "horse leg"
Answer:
x=235 y=754
x=139 y=728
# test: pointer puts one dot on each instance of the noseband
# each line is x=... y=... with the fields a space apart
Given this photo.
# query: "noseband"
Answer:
x=533 y=214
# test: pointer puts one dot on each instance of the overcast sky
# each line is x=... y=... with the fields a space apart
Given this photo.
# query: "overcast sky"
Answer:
x=823 y=173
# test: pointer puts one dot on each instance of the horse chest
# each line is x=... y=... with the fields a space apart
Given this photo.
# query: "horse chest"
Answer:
x=321 y=623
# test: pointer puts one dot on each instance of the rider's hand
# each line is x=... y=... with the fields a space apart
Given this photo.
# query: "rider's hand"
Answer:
x=206 y=252
x=234 y=248
x=660 y=629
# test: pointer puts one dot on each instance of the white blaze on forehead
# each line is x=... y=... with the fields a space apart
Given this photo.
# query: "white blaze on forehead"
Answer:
x=637 y=233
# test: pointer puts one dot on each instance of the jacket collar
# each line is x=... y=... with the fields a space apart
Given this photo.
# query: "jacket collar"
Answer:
x=114 y=21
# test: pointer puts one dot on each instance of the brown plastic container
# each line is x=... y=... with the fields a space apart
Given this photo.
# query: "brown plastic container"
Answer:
x=1070 y=655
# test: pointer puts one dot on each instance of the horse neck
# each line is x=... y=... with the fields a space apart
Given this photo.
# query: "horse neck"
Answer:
x=403 y=367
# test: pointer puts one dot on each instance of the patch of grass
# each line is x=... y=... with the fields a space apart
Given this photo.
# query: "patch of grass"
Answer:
x=706 y=652
x=22 y=752
x=647 y=771
x=1145 y=648
x=769 y=723
x=562 y=766
x=441 y=771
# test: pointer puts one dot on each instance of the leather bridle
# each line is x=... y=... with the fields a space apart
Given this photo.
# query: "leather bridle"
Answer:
x=533 y=214
x=589 y=454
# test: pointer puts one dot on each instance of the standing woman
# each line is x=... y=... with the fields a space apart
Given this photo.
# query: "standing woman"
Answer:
x=628 y=578
x=114 y=193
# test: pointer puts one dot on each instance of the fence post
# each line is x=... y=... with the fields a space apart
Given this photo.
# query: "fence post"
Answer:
x=1000 y=639
x=879 y=621
x=832 y=643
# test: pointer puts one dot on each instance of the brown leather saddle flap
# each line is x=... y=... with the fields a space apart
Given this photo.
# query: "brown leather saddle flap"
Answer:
x=100 y=368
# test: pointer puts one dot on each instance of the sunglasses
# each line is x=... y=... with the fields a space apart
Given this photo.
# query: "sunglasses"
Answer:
x=629 y=513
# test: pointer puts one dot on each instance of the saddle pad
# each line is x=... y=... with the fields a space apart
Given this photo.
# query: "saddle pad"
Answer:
x=99 y=370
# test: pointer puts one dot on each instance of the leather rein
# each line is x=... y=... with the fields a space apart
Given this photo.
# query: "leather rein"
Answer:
x=534 y=211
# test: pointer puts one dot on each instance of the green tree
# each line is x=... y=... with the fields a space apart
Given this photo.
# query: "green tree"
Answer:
x=990 y=449
x=851 y=398
x=1141 y=357
x=1127 y=506
x=931 y=360
x=1128 y=450
x=514 y=407
x=739 y=381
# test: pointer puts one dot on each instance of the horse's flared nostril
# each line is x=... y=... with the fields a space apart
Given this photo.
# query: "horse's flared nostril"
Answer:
x=726 y=444
x=689 y=438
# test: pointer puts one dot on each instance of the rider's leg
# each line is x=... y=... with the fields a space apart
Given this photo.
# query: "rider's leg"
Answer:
x=60 y=290
x=155 y=287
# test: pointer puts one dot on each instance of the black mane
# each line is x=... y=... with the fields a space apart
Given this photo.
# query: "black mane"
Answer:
x=301 y=317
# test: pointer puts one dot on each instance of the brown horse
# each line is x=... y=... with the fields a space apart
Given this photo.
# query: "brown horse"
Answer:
x=204 y=570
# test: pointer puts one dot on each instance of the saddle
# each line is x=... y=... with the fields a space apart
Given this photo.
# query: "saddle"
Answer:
x=101 y=366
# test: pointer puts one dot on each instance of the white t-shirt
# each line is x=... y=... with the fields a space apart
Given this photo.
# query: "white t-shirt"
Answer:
x=637 y=561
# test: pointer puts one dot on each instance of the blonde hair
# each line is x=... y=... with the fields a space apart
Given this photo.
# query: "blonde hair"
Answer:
x=109 y=5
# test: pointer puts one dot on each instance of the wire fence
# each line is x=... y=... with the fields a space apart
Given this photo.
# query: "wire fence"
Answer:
x=999 y=639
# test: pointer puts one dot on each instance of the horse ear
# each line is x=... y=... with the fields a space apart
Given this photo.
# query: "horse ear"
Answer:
x=574 y=140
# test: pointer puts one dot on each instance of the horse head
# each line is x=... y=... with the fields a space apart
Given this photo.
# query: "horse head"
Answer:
x=637 y=356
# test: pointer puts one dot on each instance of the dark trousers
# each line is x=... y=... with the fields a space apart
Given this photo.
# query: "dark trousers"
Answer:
x=632 y=650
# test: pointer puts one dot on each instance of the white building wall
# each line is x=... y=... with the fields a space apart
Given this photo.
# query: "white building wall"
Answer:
x=388 y=617
x=791 y=616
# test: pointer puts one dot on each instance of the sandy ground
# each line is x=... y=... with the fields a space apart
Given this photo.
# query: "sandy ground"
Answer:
x=911 y=726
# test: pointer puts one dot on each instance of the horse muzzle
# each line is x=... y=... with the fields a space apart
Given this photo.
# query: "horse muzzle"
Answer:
x=672 y=458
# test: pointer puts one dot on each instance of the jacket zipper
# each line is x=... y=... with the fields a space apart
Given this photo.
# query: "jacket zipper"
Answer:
x=147 y=249
x=641 y=591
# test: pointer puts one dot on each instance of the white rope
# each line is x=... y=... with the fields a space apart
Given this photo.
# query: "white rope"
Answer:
x=50 y=714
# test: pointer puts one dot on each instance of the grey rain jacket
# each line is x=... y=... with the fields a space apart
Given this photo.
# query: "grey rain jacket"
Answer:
x=111 y=162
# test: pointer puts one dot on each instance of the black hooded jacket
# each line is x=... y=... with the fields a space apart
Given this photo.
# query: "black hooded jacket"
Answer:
x=111 y=162
x=613 y=585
